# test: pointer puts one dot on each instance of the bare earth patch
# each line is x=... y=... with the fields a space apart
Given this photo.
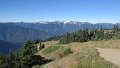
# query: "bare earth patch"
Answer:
x=109 y=54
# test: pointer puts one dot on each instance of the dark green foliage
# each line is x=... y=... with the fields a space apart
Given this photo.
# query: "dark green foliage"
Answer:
x=99 y=34
x=37 y=42
x=25 y=58
x=37 y=59
x=115 y=28
x=85 y=35
x=41 y=46
x=2 y=61
x=91 y=35
x=29 y=49
x=80 y=36
x=10 y=61
x=55 y=38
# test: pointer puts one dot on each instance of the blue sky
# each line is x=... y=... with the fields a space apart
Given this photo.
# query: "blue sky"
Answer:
x=93 y=11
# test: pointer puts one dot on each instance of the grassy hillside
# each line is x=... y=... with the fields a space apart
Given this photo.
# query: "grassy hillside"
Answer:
x=77 y=55
x=107 y=44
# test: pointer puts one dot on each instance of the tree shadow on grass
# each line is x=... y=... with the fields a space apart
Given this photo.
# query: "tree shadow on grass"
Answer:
x=38 y=60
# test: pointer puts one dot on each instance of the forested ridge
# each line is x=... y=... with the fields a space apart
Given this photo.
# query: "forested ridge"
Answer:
x=94 y=35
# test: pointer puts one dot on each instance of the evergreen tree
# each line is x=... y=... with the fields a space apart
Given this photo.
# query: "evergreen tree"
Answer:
x=86 y=35
x=91 y=35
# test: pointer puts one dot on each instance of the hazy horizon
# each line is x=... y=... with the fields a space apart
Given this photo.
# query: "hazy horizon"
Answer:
x=55 y=21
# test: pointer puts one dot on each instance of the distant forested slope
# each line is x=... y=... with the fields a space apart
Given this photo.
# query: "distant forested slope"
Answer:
x=5 y=47
x=61 y=27
x=16 y=34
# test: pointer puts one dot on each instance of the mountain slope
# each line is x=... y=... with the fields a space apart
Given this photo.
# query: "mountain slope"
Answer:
x=60 y=27
x=5 y=47
x=15 y=34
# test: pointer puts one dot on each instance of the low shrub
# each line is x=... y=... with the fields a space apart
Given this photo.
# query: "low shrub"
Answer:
x=50 y=49
x=65 y=51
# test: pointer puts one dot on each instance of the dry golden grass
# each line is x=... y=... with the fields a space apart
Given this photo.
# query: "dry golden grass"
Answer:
x=73 y=65
x=50 y=43
x=84 y=55
x=107 y=44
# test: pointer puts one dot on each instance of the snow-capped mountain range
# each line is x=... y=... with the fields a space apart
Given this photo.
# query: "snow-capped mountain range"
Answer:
x=43 y=29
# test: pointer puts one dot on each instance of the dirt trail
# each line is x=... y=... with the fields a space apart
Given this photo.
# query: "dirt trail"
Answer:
x=109 y=54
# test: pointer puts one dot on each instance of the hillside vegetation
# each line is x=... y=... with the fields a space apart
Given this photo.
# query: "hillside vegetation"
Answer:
x=92 y=35
x=25 y=58
x=81 y=55
x=6 y=47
